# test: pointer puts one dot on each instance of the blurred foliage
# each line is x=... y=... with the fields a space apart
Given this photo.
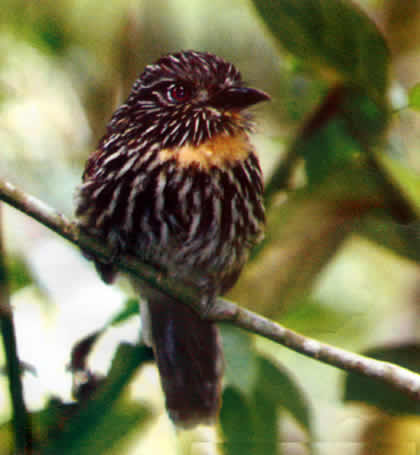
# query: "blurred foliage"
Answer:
x=339 y=146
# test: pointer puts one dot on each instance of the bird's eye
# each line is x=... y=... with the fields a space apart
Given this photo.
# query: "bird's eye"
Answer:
x=179 y=93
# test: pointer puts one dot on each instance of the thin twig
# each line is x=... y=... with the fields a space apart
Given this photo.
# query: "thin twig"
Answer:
x=21 y=423
x=404 y=380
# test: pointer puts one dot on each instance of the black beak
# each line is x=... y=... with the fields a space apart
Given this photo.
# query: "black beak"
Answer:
x=238 y=98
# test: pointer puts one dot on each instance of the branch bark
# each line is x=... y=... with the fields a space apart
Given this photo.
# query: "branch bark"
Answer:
x=223 y=310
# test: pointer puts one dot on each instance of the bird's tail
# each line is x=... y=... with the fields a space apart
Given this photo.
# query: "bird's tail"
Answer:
x=189 y=357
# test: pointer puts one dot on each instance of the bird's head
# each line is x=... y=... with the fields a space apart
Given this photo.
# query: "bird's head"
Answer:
x=187 y=98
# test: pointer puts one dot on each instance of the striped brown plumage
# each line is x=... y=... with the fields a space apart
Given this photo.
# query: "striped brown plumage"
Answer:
x=176 y=182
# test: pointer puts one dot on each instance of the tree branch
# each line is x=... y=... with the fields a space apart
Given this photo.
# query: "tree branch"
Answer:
x=21 y=424
x=224 y=311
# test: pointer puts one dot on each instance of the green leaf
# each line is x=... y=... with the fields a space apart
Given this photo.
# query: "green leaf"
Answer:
x=265 y=429
x=237 y=423
x=383 y=396
x=334 y=34
x=250 y=421
x=249 y=425
x=109 y=435
x=280 y=389
x=241 y=363
x=414 y=97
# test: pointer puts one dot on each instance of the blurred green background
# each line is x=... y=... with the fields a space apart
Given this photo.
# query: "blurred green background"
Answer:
x=338 y=264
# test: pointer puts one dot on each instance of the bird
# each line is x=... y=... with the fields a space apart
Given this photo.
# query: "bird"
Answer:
x=176 y=182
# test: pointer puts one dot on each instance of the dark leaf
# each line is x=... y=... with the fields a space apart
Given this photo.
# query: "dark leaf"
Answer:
x=237 y=421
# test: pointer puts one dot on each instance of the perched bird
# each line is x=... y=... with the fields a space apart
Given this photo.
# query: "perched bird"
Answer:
x=175 y=182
